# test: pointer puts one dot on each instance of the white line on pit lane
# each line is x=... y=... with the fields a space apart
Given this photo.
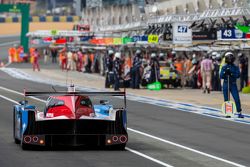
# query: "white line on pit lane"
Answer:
x=128 y=149
x=156 y=138
x=186 y=148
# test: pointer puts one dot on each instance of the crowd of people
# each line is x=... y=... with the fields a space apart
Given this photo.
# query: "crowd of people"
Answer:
x=135 y=67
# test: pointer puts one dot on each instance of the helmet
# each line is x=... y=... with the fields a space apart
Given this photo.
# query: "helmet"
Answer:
x=214 y=53
x=153 y=55
x=194 y=56
x=138 y=51
x=240 y=54
x=229 y=58
x=110 y=52
x=173 y=52
x=161 y=55
x=118 y=55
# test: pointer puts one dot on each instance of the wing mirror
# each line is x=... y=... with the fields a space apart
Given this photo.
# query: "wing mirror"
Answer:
x=104 y=102
x=23 y=102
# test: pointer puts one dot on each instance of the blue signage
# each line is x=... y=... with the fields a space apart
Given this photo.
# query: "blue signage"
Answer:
x=232 y=33
x=137 y=38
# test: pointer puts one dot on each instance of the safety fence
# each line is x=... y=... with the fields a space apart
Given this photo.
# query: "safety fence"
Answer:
x=17 y=19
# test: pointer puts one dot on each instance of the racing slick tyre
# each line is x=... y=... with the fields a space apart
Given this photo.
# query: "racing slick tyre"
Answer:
x=17 y=141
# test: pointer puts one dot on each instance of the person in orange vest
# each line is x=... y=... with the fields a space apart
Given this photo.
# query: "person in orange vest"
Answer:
x=31 y=51
x=21 y=54
x=36 y=60
x=63 y=58
x=11 y=57
x=179 y=66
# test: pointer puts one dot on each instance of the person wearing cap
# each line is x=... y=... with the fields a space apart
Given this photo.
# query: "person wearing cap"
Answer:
x=155 y=68
x=117 y=71
x=230 y=73
x=135 y=70
x=108 y=61
x=243 y=64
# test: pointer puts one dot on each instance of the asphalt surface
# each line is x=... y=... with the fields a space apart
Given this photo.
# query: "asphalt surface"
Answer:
x=5 y=43
x=227 y=140
x=224 y=141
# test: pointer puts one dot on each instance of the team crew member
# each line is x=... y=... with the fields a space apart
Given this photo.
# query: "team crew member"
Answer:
x=230 y=73
x=117 y=71
x=135 y=70
x=63 y=57
x=80 y=61
x=109 y=68
x=155 y=67
x=243 y=64
x=35 y=60
x=206 y=71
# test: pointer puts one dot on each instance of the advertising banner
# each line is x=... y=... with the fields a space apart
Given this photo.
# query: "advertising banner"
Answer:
x=138 y=38
x=153 y=39
x=126 y=40
x=181 y=33
x=232 y=34
x=204 y=35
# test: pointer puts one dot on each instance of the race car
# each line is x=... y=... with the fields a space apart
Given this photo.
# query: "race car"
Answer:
x=70 y=119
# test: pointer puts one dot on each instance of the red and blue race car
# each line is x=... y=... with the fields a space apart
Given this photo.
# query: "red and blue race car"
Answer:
x=70 y=119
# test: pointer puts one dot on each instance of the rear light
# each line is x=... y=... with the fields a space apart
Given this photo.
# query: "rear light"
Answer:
x=41 y=141
x=27 y=139
x=115 y=138
x=35 y=139
x=109 y=141
x=123 y=139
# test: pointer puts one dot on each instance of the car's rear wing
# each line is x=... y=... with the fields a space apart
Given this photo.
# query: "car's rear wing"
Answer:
x=64 y=93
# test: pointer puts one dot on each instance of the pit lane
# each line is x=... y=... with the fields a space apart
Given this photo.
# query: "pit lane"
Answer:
x=224 y=139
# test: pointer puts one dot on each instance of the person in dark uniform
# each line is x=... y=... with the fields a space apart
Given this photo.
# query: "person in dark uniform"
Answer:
x=117 y=71
x=243 y=64
x=216 y=73
x=230 y=73
x=54 y=55
x=109 y=68
x=135 y=70
x=155 y=68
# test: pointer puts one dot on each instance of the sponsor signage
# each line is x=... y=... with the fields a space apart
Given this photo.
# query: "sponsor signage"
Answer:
x=204 y=35
x=153 y=39
x=138 y=38
x=127 y=40
x=232 y=34
x=167 y=36
x=182 y=34
x=245 y=29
